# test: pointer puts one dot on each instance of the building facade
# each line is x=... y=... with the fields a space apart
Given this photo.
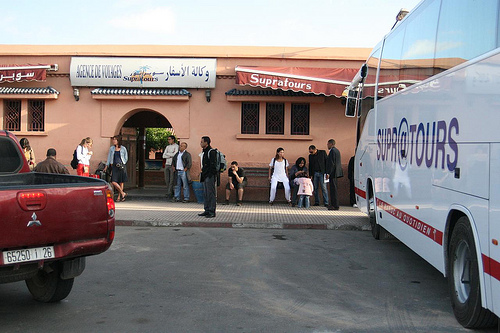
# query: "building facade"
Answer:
x=249 y=100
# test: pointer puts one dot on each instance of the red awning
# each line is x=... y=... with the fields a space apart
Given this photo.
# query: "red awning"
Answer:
x=23 y=73
x=319 y=81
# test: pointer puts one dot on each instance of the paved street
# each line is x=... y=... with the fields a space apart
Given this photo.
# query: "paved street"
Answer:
x=243 y=280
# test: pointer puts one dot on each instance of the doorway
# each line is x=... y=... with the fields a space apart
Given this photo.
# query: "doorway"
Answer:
x=141 y=172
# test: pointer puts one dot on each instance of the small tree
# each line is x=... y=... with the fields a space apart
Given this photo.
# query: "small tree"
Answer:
x=156 y=138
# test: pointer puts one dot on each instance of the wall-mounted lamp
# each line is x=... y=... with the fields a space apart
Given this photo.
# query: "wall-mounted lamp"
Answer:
x=76 y=94
x=208 y=94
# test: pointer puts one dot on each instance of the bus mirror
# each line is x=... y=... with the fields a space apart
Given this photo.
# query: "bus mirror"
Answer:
x=350 y=105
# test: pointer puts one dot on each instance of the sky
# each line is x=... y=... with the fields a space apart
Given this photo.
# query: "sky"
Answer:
x=301 y=23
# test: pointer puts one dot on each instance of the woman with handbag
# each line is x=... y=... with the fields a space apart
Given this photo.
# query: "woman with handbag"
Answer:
x=117 y=160
x=83 y=154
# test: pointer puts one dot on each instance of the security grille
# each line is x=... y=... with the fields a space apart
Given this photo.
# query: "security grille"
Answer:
x=249 y=118
x=36 y=115
x=300 y=119
x=12 y=115
x=275 y=118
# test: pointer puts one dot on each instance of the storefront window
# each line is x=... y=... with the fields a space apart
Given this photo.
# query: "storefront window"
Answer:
x=275 y=118
x=36 y=115
x=300 y=119
x=12 y=115
x=249 y=118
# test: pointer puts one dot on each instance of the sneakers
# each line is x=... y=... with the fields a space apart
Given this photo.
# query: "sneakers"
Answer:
x=238 y=204
x=355 y=206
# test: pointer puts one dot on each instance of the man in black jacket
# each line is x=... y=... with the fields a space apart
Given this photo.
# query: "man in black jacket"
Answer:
x=334 y=171
x=317 y=172
x=209 y=176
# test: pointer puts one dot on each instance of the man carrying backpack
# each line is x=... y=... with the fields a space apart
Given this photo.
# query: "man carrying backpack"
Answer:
x=209 y=177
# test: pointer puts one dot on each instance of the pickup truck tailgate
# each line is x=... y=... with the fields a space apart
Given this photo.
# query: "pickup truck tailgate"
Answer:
x=40 y=215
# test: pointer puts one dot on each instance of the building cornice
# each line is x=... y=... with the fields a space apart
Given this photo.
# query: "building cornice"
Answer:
x=311 y=53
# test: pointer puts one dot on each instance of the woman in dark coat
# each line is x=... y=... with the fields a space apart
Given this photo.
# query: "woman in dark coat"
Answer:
x=299 y=169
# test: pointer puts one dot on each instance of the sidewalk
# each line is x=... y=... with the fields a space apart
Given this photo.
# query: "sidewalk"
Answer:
x=148 y=207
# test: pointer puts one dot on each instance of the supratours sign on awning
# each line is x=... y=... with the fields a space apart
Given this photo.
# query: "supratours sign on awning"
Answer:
x=23 y=73
x=319 y=81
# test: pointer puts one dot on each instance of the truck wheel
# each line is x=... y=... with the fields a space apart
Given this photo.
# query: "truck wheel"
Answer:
x=48 y=286
x=463 y=279
x=373 y=218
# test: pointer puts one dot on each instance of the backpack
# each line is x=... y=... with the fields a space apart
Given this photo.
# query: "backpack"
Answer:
x=221 y=160
x=74 y=161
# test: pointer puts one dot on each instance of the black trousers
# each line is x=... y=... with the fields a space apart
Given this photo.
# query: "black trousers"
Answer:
x=334 y=198
x=210 y=194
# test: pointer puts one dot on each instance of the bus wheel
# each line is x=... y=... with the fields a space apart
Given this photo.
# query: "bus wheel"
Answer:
x=463 y=279
x=373 y=218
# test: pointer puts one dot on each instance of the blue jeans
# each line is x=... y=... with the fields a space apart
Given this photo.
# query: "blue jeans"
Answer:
x=318 y=180
x=181 y=180
x=304 y=199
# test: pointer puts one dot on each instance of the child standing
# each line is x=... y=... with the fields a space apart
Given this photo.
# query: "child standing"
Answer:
x=305 y=190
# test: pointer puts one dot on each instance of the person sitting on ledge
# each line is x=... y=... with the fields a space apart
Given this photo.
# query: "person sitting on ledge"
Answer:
x=236 y=179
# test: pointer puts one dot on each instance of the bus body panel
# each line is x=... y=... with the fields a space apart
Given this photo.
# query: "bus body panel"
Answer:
x=432 y=148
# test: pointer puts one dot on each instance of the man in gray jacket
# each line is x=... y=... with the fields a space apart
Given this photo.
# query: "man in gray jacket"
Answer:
x=181 y=164
x=170 y=150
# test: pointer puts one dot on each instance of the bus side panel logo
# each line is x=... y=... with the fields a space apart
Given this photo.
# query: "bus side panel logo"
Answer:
x=432 y=144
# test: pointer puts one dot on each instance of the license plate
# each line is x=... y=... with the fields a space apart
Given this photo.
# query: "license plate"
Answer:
x=25 y=255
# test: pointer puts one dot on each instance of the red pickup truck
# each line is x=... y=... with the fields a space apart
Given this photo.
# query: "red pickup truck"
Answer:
x=49 y=224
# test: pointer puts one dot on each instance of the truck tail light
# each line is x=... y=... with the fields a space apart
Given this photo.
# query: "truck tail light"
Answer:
x=34 y=200
x=110 y=203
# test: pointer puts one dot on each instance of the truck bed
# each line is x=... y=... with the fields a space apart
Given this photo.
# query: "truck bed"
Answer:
x=38 y=209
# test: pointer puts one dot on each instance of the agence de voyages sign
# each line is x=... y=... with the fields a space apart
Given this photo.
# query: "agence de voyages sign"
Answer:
x=143 y=72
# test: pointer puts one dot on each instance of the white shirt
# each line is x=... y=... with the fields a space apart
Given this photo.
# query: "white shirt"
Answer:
x=169 y=153
x=279 y=170
x=179 y=165
x=82 y=154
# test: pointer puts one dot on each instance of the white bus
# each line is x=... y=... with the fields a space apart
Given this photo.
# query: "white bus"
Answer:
x=427 y=163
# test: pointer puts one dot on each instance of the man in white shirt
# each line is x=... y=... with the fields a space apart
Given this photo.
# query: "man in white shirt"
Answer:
x=181 y=163
x=170 y=150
